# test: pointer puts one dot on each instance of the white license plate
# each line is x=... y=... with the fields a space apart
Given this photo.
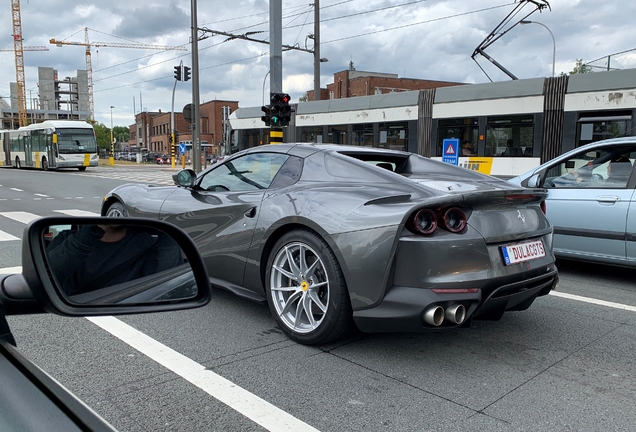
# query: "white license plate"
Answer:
x=523 y=252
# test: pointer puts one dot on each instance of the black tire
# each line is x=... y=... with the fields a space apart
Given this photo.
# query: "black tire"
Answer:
x=82 y=168
x=18 y=165
x=117 y=209
x=45 y=164
x=331 y=290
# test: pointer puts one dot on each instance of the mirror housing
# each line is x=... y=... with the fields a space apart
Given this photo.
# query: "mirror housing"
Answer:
x=37 y=289
x=533 y=181
x=185 y=178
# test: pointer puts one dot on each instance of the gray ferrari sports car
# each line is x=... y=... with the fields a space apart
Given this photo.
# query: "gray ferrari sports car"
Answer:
x=331 y=236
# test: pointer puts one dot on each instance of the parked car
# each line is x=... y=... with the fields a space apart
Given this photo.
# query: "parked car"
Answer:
x=163 y=159
x=333 y=235
x=30 y=399
x=591 y=201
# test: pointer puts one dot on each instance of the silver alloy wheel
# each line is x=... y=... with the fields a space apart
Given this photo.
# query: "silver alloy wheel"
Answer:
x=299 y=287
x=115 y=211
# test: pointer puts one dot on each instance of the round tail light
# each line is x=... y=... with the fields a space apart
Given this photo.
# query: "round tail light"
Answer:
x=455 y=220
x=425 y=221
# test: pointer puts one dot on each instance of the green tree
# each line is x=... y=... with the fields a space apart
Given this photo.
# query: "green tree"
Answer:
x=579 y=68
x=121 y=133
x=103 y=135
x=304 y=98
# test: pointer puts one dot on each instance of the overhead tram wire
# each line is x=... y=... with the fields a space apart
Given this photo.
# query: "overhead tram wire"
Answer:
x=417 y=23
x=322 y=42
x=253 y=15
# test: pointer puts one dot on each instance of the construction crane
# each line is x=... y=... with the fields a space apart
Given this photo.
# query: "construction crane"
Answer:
x=89 y=67
x=19 y=62
x=27 y=48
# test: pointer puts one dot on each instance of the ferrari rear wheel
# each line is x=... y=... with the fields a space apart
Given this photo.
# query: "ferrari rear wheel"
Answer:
x=117 y=210
x=306 y=289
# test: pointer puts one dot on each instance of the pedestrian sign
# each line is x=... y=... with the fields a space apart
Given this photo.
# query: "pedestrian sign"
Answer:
x=450 y=151
x=182 y=148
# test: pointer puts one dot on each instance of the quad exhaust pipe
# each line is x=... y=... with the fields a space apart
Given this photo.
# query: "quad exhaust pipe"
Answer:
x=435 y=315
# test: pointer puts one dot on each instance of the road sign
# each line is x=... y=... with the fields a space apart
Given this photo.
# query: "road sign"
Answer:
x=188 y=112
x=450 y=151
x=182 y=148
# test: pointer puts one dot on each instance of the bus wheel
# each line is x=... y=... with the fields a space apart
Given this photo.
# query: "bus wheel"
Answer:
x=81 y=168
x=45 y=164
x=17 y=163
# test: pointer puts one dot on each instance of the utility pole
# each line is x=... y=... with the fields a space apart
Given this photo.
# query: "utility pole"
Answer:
x=276 y=59
x=172 y=143
x=316 y=50
x=196 y=122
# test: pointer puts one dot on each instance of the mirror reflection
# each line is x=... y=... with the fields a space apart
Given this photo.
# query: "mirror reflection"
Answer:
x=114 y=263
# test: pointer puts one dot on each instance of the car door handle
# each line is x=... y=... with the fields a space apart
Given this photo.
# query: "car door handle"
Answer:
x=608 y=199
x=250 y=213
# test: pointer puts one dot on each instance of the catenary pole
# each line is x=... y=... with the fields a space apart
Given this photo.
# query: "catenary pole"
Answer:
x=196 y=115
x=316 y=50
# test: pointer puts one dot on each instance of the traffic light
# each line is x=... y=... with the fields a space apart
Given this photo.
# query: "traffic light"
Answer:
x=170 y=139
x=285 y=110
x=280 y=109
x=177 y=73
x=186 y=73
x=267 y=118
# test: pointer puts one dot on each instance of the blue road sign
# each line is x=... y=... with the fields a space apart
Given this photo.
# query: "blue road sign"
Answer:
x=450 y=151
x=182 y=148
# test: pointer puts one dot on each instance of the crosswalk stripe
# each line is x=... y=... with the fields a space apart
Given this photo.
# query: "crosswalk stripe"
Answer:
x=7 y=237
x=19 y=216
x=77 y=213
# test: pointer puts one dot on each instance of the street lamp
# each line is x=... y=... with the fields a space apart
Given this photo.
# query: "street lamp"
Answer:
x=264 y=87
x=111 y=159
x=553 y=40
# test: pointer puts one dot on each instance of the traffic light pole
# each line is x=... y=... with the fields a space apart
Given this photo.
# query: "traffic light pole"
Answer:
x=196 y=117
x=172 y=143
x=275 y=60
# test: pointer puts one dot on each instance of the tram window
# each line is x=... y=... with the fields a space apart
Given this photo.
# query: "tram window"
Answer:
x=592 y=129
x=337 y=135
x=510 y=136
x=466 y=129
x=394 y=136
x=362 y=134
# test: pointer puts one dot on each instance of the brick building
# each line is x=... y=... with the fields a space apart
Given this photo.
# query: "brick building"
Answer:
x=152 y=129
x=352 y=83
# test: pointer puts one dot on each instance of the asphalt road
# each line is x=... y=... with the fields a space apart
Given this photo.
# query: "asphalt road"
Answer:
x=567 y=363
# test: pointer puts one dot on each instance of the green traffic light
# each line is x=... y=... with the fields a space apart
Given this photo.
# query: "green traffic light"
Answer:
x=275 y=120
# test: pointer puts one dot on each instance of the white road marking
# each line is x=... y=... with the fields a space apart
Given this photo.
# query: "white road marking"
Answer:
x=594 y=301
x=16 y=189
x=11 y=270
x=77 y=213
x=251 y=406
x=19 y=216
x=41 y=195
x=7 y=237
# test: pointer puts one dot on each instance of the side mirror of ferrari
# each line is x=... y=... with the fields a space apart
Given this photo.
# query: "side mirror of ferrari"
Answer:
x=87 y=266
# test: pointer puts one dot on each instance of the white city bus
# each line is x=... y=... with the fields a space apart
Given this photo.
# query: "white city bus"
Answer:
x=51 y=144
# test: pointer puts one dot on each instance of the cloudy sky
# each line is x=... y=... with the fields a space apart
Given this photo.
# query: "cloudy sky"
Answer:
x=427 y=39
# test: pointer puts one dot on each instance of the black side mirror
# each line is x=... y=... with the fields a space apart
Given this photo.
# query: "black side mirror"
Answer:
x=84 y=266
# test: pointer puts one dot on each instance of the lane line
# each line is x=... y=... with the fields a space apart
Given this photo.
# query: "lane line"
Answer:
x=16 y=189
x=594 y=301
x=76 y=212
x=11 y=270
x=251 y=406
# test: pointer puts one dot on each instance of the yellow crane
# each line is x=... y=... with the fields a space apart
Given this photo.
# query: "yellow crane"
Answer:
x=19 y=62
x=89 y=67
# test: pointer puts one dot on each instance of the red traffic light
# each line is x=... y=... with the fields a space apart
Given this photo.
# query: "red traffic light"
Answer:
x=286 y=98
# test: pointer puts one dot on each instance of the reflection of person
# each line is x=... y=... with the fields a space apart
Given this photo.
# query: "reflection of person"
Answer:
x=467 y=148
x=97 y=256
x=510 y=149
x=619 y=170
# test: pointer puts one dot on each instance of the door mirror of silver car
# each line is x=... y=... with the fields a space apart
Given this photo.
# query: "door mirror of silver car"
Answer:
x=185 y=178
x=103 y=266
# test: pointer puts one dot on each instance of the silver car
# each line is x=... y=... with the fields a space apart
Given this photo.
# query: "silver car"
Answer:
x=591 y=201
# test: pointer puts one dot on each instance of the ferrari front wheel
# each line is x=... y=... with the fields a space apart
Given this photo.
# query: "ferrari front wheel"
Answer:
x=117 y=210
x=306 y=290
